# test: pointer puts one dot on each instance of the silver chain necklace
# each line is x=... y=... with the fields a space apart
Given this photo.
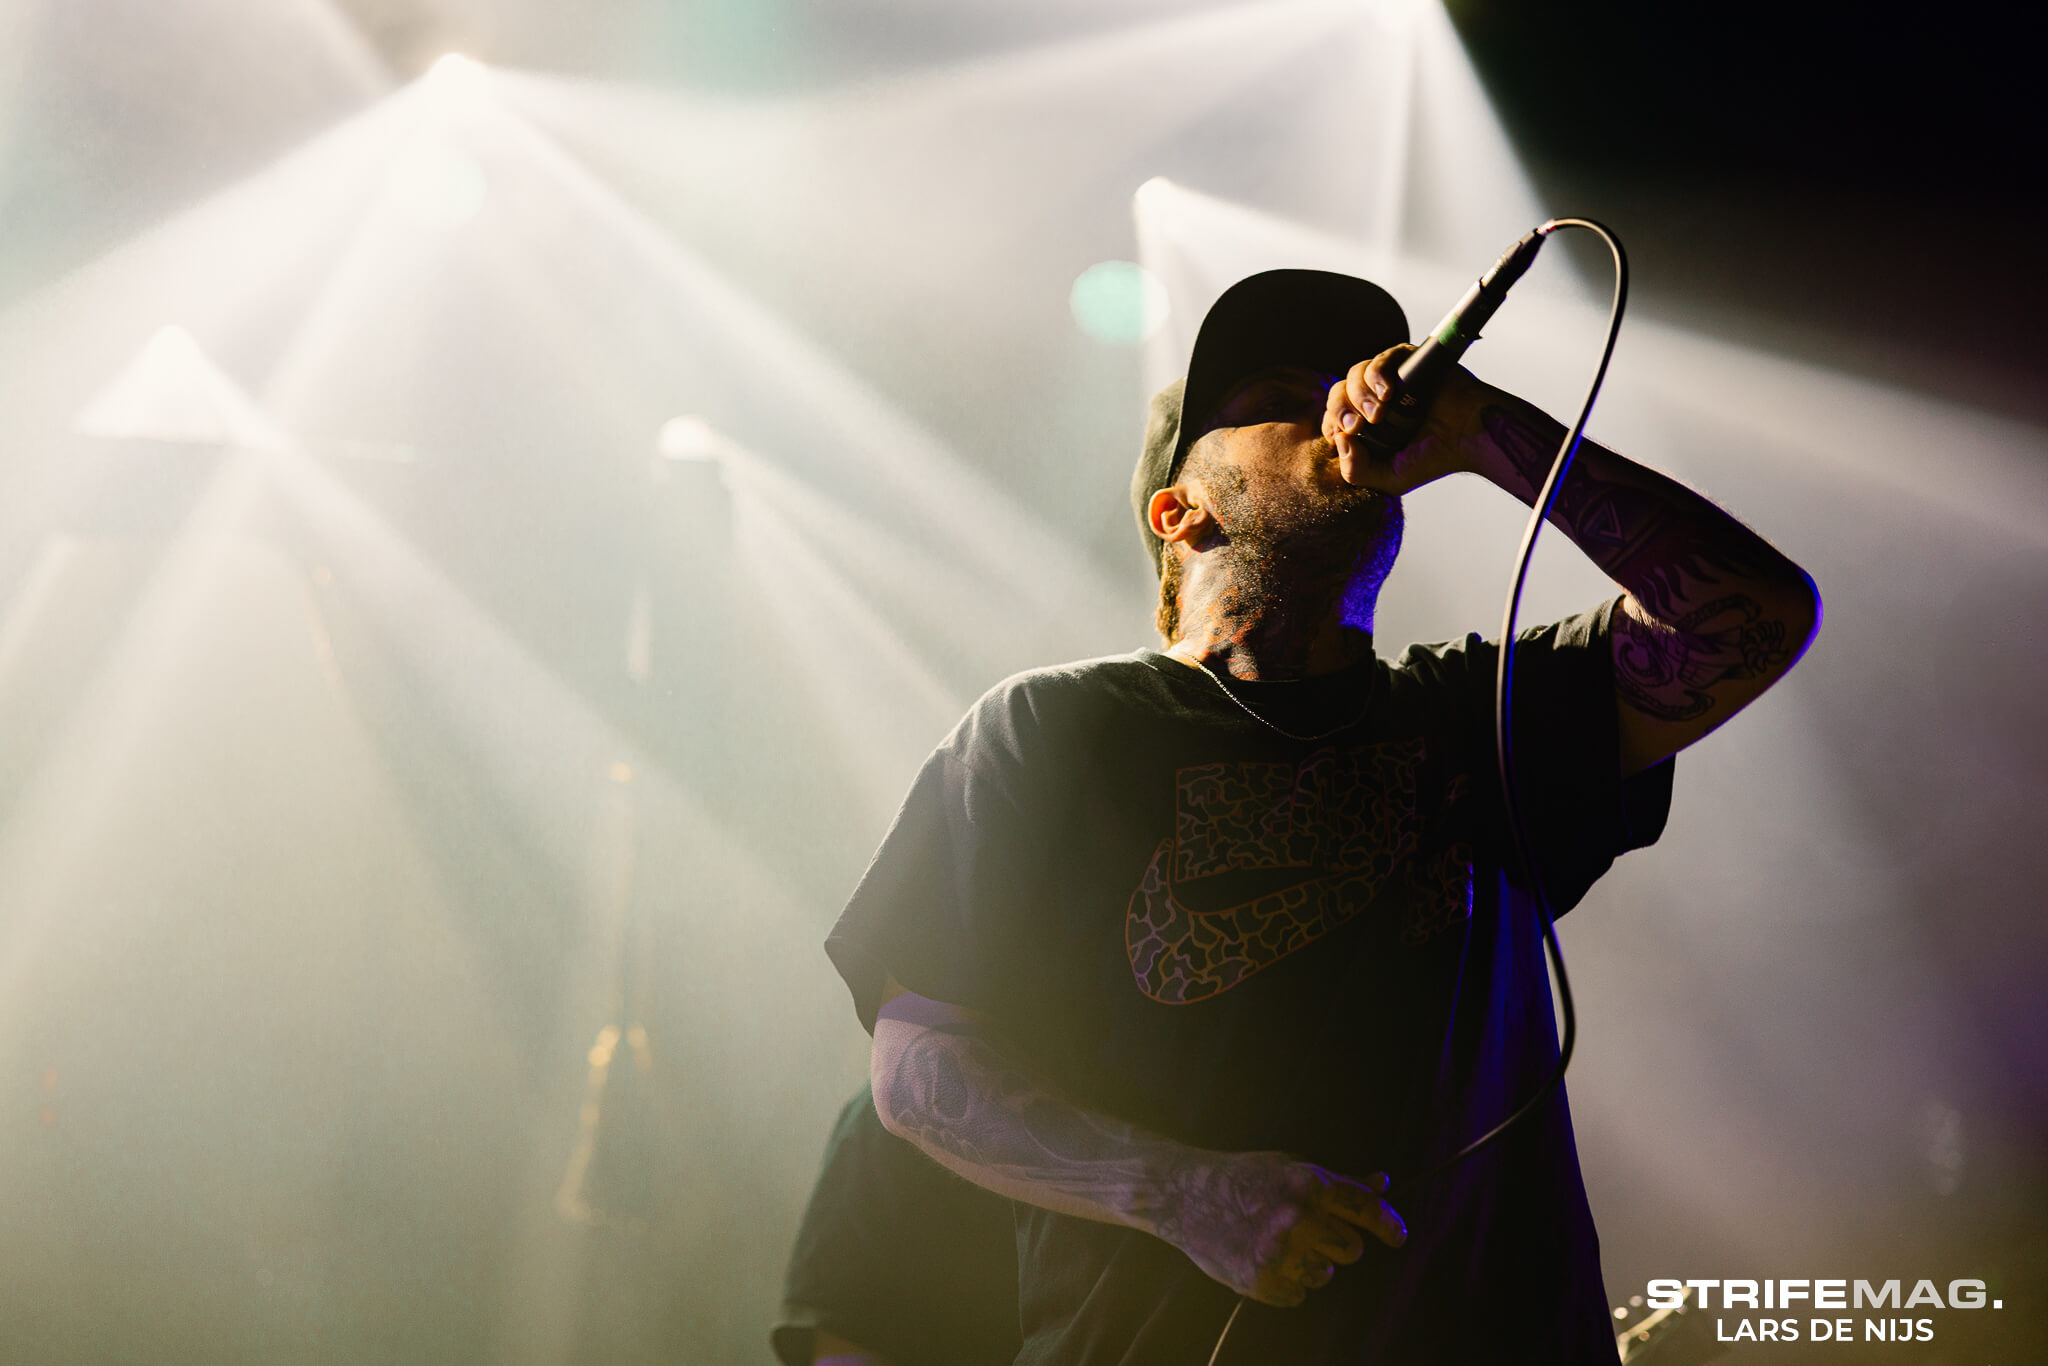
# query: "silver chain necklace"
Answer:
x=1245 y=707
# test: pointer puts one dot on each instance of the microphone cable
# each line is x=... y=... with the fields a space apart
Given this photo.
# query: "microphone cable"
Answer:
x=1503 y=730
x=1503 y=699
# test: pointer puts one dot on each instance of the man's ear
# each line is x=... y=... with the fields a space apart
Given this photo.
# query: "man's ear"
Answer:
x=1174 y=514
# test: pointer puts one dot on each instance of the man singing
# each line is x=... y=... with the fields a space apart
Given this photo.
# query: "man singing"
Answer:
x=1211 y=957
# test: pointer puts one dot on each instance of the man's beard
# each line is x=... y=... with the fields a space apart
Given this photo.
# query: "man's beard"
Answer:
x=1283 y=546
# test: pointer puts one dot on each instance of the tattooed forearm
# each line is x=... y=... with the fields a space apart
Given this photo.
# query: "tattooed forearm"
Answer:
x=1652 y=534
x=1710 y=602
x=1612 y=521
x=1205 y=1196
x=954 y=1095
x=1266 y=1224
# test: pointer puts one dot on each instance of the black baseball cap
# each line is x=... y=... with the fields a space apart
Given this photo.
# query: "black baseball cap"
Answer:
x=1315 y=319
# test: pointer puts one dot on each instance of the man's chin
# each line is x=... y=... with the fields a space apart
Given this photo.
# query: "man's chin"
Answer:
x=1350 y=514
x=1358 y=530
x=1335 y=526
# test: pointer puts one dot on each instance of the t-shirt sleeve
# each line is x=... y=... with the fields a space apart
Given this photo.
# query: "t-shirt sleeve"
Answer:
x=1580 y=814
x=947 y=889
x=899 y=1256
x=826 y=1282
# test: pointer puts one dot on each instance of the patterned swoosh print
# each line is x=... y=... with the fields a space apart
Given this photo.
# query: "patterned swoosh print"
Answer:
x=1180 y=956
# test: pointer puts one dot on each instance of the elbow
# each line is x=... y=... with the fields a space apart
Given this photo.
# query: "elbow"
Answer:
x=885 y=1109
x=1803 y=613
x=895 y=1102
x=918 y=1043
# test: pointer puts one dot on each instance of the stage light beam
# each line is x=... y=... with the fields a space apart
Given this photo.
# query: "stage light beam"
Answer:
x=688 y=438
x=173 y=393
x=457 y=76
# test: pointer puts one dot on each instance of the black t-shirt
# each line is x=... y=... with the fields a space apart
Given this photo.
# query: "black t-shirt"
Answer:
x=1248 y=941
x=900 y=1256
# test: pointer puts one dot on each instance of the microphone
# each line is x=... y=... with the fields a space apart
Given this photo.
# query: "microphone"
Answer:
x=1423 y=373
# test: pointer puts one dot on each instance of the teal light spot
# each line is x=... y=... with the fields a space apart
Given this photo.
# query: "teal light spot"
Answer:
x=1119 y=302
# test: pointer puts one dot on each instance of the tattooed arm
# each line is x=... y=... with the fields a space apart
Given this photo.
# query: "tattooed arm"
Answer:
x=1714 y=614
x=1264 y=1224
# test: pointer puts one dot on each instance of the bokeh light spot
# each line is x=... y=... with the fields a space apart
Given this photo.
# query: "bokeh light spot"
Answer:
x=1119 y=302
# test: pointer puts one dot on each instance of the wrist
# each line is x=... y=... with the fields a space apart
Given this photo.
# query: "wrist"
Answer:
x=1516 y=443
x=1459 y=421
x=1178 y=1194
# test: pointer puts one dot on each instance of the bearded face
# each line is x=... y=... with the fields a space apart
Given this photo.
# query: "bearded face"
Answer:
x=1289 y=535
x=1285 y=517
x=1267 y=516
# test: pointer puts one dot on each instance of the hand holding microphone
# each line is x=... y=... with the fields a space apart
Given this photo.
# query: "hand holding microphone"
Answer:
x=1377 y=411
x=1364 y=398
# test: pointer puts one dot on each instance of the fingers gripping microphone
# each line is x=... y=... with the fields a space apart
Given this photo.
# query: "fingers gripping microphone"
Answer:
x=1422 y=374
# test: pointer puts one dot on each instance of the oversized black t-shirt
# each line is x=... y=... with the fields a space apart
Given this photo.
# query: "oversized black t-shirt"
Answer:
x=900 y=1256
x=1248 y=941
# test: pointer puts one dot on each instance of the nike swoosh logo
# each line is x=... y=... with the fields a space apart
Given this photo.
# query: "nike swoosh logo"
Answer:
x=1181 y=956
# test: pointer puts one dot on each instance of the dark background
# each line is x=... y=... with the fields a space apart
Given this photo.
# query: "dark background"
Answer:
x=1844 y=171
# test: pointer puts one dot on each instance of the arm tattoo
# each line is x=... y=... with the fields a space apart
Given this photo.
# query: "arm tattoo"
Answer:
x=1614 y=523
x=1210 y=1196
x=1628 y=529
x=1665 y=671
x=1698 y=580
x=960 y=1100
x=1234 y=1214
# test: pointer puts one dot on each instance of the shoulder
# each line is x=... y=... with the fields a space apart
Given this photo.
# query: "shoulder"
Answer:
x=1440 y=662
x=1059 y=702
x=1452 y=663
